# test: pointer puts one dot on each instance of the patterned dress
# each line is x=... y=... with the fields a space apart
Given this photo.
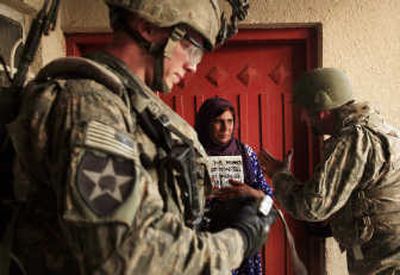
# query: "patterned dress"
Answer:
x=253 y=265
x=208 y=112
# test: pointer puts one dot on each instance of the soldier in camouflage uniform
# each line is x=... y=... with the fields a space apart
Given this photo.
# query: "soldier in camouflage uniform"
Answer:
x=117 y=179
x=356 y=186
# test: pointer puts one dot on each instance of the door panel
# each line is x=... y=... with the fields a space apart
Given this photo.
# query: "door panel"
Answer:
x=255 y=71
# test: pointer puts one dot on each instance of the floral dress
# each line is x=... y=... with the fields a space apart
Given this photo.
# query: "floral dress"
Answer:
x=253 y=265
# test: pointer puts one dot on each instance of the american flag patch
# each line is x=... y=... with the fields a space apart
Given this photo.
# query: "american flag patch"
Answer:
x=105 y=138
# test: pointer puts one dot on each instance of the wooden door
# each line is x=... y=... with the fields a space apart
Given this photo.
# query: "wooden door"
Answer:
x=255 y=71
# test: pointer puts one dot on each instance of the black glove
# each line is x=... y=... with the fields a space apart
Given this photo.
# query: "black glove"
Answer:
x=243 y=214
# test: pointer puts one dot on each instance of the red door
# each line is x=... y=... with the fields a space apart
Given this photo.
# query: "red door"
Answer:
x=255 y=71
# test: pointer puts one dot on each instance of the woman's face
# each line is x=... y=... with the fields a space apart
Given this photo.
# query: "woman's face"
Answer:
x=221 y=128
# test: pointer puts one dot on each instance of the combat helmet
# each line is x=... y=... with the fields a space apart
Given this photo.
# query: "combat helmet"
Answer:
x=322 y=89
x=203 y=16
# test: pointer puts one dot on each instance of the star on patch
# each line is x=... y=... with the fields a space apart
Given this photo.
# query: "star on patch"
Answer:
x=105 y=181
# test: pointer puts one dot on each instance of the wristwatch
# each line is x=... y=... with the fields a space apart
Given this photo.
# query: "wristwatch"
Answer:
x=265 y=205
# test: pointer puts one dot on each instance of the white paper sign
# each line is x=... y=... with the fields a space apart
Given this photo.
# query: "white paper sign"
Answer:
x=224 y=168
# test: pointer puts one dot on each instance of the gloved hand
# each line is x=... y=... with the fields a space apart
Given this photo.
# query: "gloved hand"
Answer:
x=270 y=165
x=245 y=215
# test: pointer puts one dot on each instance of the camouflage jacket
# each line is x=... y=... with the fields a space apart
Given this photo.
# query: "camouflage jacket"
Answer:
x=356 y=187
x=103 y=197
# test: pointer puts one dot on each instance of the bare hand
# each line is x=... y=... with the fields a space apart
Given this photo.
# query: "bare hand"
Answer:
x=237 y=190
x=271 y=165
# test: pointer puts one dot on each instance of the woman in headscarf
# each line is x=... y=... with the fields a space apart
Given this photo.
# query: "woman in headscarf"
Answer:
x=215 y=124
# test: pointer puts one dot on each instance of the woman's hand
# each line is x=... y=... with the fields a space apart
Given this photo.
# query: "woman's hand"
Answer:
x=236 y=190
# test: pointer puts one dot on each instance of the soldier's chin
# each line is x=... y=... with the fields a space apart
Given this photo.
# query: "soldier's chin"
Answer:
x=170 y=84
x=166 y=87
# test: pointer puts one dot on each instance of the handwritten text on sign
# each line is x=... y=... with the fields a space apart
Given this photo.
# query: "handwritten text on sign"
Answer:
x=224 y=168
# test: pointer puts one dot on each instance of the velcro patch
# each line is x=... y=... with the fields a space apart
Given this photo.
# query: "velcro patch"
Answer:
x=103 y=137
x=105 y=182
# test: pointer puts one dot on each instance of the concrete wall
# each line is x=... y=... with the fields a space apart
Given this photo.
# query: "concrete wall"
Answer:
x=362 y=37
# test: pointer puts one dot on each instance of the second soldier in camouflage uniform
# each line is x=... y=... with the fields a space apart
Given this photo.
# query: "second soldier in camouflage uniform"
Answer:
x=356 y=187
x=116 y=178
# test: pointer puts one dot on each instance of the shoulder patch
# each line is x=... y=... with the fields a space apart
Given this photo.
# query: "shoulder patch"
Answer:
x=105 y=138
x=105 y=181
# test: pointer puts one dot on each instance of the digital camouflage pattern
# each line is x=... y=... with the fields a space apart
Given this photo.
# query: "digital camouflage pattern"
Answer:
x=92 y=207
x=206 y=19
x=356 y=187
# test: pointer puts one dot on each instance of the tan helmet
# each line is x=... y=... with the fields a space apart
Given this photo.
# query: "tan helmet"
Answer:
x=322 y=89
x=204 y=16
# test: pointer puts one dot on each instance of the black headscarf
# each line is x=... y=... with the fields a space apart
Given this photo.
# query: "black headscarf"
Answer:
x=209 y=110
x=212 y=108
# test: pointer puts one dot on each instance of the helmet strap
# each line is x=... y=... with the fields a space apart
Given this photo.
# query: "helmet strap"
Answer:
x=159 y=52
x=158 y=73
x=166 y=52
x=135 y=35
